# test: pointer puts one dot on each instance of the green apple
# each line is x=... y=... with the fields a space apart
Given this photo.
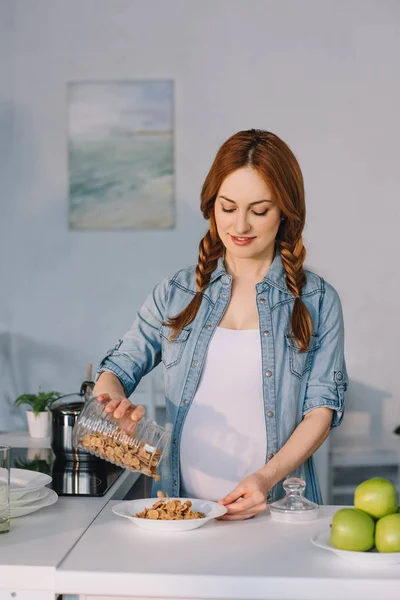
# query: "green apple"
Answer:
x=352 y=529
x=377 y=497
x=387 y=533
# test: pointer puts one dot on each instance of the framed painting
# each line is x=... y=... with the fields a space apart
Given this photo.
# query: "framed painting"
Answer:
x=121 y=155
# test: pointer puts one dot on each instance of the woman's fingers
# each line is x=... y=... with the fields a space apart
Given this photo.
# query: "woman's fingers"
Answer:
x=249 y=502
x=241 y=517
x=103 y=397
x=233 y=496
x=113 y=404
x=121 y=408
x=241 y=505
x=137 y=413
x=246 y=513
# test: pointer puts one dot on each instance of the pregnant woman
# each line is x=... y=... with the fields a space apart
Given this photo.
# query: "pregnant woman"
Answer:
x=252 y=344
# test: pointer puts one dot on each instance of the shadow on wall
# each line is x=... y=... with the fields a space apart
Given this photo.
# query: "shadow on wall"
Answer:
x=370 y=413
x=24 y=365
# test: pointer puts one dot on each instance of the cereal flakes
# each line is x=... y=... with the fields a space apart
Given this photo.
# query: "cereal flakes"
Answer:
x=135 y=458
x=172 y=510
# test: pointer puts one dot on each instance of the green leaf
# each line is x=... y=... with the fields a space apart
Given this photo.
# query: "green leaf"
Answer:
x=38 y=402
x=38 y=464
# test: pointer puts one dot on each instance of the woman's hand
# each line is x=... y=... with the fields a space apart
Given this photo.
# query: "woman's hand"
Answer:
x=253 y=491
x=121 y=408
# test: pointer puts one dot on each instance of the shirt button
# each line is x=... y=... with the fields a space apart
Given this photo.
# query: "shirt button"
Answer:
x=185 y=402
x=175 y=482
x=270 y=413
x=262 y=300
x=267 y=332
x=175 y=441
x=268 y=373
x=224 y=294
x=270 y=456
x=209 y=326
x=196 y=363
x=225 y=279
x=339 y=376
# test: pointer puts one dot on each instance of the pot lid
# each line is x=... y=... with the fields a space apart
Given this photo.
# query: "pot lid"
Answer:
x=71 y=404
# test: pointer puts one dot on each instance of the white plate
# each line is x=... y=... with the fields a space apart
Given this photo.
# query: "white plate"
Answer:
x=129 y=508
x=21 y=511
x=373 y=558
x=30 y=497
x=23 y=481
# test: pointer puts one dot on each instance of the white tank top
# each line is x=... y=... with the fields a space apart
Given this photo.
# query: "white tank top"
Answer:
x=224 y=437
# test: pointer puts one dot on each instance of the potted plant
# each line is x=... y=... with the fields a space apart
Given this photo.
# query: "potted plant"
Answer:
x=39 y=416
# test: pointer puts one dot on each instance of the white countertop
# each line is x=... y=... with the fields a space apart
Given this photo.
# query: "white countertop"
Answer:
x=78 y=546
x=257 y=559
x=37 y=543
x=22 y=439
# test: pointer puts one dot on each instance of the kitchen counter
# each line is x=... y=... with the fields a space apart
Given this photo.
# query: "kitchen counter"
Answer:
x=254 y=559
x=37 y=543
x=22 y=439
x=78 y=546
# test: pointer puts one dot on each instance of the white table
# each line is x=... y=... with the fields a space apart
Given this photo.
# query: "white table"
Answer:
x=78 y=546
x=255 y=559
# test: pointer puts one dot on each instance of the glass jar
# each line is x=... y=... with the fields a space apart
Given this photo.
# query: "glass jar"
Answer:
x=135 y=446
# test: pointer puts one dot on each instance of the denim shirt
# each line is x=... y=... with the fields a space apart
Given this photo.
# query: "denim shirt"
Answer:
x=293 y=383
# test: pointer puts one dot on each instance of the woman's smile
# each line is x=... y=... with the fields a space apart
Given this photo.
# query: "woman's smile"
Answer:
x=247 y=217
x=241 y=241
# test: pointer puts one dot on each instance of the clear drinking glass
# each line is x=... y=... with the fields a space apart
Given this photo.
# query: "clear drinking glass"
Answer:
x=4 y=489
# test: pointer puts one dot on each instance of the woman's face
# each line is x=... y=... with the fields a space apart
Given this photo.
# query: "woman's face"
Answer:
x=246 y=215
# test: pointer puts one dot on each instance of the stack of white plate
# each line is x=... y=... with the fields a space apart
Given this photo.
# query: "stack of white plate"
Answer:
x=28 y=492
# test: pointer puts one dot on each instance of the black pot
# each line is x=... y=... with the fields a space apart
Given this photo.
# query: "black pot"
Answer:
x=64 y=414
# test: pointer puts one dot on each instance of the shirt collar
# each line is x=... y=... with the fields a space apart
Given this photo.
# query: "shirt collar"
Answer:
x=275 y=276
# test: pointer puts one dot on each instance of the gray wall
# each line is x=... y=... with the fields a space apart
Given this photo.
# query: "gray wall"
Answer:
x=7 y=382
x=322 y=75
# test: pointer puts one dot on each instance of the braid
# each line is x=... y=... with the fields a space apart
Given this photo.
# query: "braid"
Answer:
x=210 y=250
x=293 y=256
x=292 y=259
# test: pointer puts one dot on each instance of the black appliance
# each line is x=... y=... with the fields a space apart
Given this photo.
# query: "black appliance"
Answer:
x=70 y=478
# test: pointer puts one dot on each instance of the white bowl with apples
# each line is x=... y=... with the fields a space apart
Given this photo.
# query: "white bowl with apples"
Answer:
x=369 y=532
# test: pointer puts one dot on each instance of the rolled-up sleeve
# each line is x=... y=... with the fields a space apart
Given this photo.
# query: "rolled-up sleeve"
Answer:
x=328 y=378
x=139 y=350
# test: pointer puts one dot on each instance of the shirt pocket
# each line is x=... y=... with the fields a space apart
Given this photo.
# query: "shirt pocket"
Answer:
x=301 y=362
x=171 y=351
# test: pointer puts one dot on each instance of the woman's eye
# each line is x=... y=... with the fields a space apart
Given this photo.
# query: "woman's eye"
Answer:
x=231 y=210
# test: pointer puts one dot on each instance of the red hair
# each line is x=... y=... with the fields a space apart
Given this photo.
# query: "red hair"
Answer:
x=276 y=164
